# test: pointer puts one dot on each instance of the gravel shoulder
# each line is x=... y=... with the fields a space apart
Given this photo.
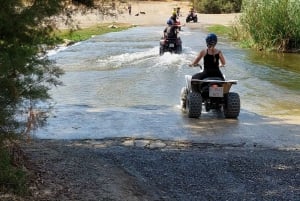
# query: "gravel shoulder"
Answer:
x=147 y=169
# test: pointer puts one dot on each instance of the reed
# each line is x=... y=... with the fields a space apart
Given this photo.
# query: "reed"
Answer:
x=271 y=24
x=217 y=6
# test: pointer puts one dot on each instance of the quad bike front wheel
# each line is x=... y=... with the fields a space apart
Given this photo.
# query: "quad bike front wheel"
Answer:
x=194 y=105
x=179 y=49
x=183 y=98
x=195 y=19
x=232 y=105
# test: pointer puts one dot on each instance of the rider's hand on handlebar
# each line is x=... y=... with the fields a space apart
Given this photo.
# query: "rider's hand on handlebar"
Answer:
x=194 y=65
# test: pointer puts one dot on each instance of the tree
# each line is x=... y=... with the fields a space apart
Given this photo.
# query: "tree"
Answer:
x=26 y=74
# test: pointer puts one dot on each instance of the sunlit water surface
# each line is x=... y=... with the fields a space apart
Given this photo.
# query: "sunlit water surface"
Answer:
x=117 y=85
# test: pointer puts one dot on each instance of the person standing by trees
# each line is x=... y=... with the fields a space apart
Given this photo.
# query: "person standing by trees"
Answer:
x=129 y=9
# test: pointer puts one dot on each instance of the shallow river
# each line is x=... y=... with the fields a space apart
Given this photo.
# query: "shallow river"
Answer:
x=117 y=85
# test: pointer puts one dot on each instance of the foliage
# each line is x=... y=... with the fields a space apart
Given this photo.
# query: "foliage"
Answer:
x=12 y=178
x=89 y=3
x=271 y=24
x=217 y=6
x=26 y=73
x=237 y=33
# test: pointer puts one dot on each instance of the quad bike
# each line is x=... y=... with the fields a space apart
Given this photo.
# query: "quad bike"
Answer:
x=192 y=17
x=172 y=45
x=212 y=93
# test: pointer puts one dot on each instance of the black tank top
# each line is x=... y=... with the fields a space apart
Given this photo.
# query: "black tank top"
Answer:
x=211 y=63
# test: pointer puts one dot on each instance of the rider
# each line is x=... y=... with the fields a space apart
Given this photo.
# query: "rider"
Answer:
x=174 y=16
x=212 y=59
x=192 y=16
x=175 y=19
x=178 y=11
x=171 y=30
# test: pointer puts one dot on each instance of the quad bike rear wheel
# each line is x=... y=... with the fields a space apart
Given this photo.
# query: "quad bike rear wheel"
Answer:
x=194 y=105
x=232 y=105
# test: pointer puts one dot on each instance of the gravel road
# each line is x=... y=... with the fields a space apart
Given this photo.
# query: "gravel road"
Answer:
x=144 y=169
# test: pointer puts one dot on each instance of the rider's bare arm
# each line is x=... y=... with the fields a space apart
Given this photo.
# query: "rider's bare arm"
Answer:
x=198 y=58
x=222 y=59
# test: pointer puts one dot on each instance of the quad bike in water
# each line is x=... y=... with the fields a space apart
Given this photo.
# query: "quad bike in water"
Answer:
x=170 y=41
x=172 y=45
x=212 y=93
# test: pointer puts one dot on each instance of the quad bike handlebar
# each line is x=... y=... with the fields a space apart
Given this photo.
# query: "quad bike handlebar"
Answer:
x=201 y=67
x=196 y=65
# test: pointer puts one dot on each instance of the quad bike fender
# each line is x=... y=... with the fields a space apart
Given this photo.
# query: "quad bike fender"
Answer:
x=226 y=84
x=188 y=80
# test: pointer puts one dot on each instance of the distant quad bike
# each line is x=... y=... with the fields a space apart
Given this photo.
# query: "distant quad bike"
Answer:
x=172 y=45
x=192 y=17
x=212 y=93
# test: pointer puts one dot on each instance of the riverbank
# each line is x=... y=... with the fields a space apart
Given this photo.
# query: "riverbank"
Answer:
x=150 y=13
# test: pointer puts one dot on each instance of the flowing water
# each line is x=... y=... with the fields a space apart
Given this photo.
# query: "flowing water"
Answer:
x=117 y=85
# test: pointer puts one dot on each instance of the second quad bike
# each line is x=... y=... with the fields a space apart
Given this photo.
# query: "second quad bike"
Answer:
x=172 y=45
x=212 y=93
x=192 y=17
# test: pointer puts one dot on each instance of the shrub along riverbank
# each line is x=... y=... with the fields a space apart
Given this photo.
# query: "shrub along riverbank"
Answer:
x=272 y=25
x=269 y=25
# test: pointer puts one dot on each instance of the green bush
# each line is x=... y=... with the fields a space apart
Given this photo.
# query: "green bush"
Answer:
x=272 y=24
x=218 y=6
x=89 y=3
